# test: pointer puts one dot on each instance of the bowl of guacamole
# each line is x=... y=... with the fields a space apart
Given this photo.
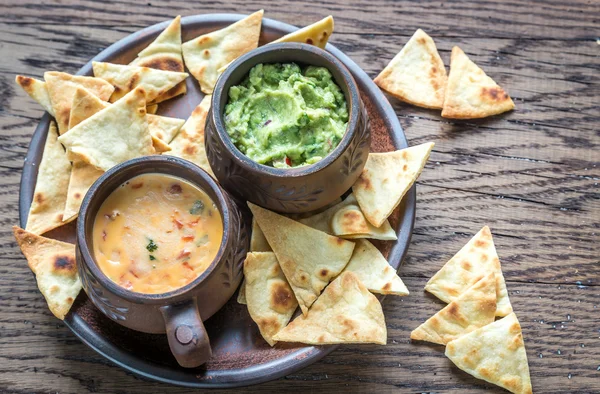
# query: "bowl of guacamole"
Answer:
x=287 y=129
x=284 y=115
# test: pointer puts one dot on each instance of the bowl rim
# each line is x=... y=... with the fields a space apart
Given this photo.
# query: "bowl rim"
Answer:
x=101 y=183
x=353 y=103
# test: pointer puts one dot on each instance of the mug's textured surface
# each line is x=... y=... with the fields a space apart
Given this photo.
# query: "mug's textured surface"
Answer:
x=294 y=190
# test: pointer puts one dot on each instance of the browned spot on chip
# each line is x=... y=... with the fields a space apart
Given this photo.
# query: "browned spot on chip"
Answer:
x=270 y=324
x=39 y=198
x=65 y=263
x=321 y=338
x=166 y=64
x=387 y=286
x=453 y=310
x=422 y=40
x=69 y=299
x=133 y=81
x=59 y=217
x=484 y=257
x=404 y=155
x=190 y=149
x=480 y=244
x=206 y=52
x=405 y=167
x=495 y=94
x=486 y=373
x=24 y=81
x=364 y=181
x=309 y=41
x=466 y=265
x=77 y=195
x=324 y=272
x=202 y=40
x=281 y=295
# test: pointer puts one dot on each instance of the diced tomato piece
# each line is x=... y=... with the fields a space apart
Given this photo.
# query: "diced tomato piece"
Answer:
x=288 y=161
x=184 y=253
x=178 y=223
x=188 y=238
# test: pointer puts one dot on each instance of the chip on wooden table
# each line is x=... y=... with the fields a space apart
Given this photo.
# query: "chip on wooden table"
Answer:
x=474 y=261
x=126 y=78
x=164 y=53
x=346 y=312
x=55 y=269
x=374 y=271
x=474 y=308
x=346 y=220
x=316 y=34
x=50 y=195
x=206 y=54
x=309 y=258
x=470 y=93
x=416 y=74
x=386 y=178
x=37 y=90
x=495 y=353
x=113 y=135
x=61 y=89
x=270 y=299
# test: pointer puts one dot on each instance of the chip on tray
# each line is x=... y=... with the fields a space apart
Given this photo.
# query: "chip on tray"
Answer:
x=346 y=312
x=386 y=178
x=316 y=34
x=494 y=353
x=206 y=54
x=55 y=269
x=50 y=195
x=373 y=270
x=258 y=243
x=164 y=53
x=470 y=93
x=474 y=261
x=416 y=74
x=474 y=308
x=309 y=258
x=126 y=78
x=113 y=135
x=270 y=299
x=37 y=90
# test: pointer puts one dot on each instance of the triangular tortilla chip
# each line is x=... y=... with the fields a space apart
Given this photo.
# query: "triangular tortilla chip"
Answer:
x=474 y=261
x=82 y=178
x=346 y=220
x=309 y=258
x=271 y=302
x=258 y=242
x=345 y=313
x=373 y=270
x=55 y=269
x=470 y=93
x=151 y=109
x=189 y=143
x=416 y=74
x=494 y=353
x=37 y=90
x=316 y=34
x=126 y=78
x=474 y=308
x=164 y=128
x=113 y=135
x=61 y=89
x=164 y=53
x=241 y=298
x=50 y=195
x=386 y=178
x=206 y=54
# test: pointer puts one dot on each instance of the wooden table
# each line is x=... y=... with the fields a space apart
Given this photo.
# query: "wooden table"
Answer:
x=532 y=175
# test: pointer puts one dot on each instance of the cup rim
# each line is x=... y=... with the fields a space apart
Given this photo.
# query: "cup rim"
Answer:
x=88 y=258
x=353 y=103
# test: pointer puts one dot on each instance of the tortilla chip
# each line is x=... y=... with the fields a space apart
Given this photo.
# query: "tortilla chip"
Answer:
x=258 y=242
x=470 y=93
x=206 y=54
x=82 y=178
x=164 y=53
x=37 y=90
x=151 y=109
x=55 y=269
x=50 y=195
x=164 y=128
x=474 y=261
x=416 y=74
x=309 y=258
x=61 y=89
x=494 y=353
x=316 y=34
x=386 y=178
x=346 y=220
x=189 y=143
x=373 y=270
x=113 y=135
x=474 y=308
x=126 y=78
x=241 y=298
x=345 y=313
x=271 y=302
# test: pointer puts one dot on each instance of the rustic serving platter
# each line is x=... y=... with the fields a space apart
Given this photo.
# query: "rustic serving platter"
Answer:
x=240 y=355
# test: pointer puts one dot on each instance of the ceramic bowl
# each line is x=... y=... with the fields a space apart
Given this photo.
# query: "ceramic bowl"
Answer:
x=181 y=312
x=298 y=189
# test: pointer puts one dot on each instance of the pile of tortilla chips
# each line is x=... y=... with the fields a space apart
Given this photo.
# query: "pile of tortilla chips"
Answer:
x=417 y=76
x=109 y=118
x=473 y=285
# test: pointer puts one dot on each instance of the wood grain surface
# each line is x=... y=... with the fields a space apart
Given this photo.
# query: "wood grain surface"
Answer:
x=532 y=175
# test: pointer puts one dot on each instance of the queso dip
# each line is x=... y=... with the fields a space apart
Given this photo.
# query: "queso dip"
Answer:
x=156 y=233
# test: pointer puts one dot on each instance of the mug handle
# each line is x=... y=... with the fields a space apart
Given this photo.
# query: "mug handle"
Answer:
x=187 y=336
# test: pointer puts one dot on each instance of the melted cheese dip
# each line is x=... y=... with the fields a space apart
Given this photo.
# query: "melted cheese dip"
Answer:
x=156 y=233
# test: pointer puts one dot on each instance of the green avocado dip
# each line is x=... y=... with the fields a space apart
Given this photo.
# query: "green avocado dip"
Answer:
x=284 y=116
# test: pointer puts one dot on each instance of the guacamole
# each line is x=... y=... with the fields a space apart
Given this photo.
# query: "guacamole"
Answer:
x=284 y=116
